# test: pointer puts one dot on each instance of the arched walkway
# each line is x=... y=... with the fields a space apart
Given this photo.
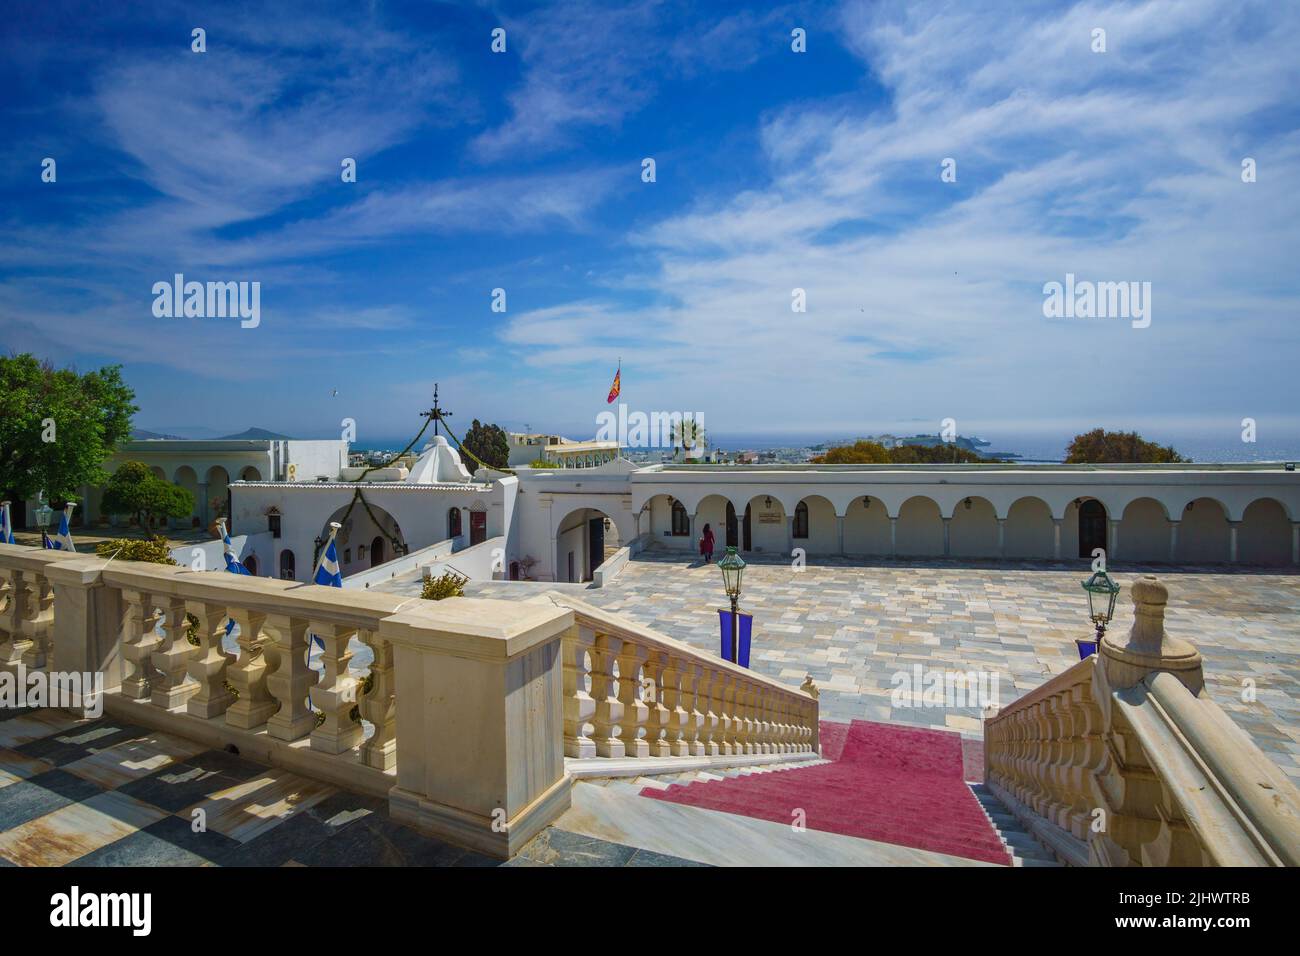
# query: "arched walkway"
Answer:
x=815 y=517
x=769 y=526
x=866 y=527
x=1264 y=536
x=1203 y=534
x=973 y=530
x=584 y=539
x=187 y=479
x=357 y=535
x=920 y=528
x=1029 y=531
x=1144 y=531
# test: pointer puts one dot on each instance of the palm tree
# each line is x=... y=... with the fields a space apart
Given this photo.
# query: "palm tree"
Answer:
x=689 y=434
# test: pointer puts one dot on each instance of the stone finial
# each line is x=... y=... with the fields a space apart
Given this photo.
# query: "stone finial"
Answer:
x=1148 y=648
x=808 y=687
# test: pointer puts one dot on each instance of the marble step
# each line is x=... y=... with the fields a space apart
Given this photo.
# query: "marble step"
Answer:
x=1024 y=848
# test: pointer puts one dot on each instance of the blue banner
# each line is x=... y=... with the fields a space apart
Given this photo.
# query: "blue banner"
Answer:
x=1086 y=648
x=746 y=629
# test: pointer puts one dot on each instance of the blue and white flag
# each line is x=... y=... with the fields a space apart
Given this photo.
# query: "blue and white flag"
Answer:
x=233 y=564
x=6 y=524
x=63 y=540
x=327 y=569
x=328 y=575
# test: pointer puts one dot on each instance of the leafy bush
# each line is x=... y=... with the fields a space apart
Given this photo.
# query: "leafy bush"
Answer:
x=448 y=584
x=152 y=550
x=1100 y=447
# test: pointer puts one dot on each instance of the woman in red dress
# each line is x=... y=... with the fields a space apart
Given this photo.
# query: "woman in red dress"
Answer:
x=706 y=544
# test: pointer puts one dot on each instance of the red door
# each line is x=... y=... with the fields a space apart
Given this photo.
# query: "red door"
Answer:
x=477 y=527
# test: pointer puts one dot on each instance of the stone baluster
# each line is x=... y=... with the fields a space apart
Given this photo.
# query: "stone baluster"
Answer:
x=766 y=721
x=677 y=715
x=657 y=725
x=635 y=711
x=609 y=711
x=725 y=688
x=692 y=700
x=247 y=676
x=207 y=668
x=39 y=619
x=138 y=641
x=744 y=718
x=336 y=692
x=172 y=686
x=781 y=738
x=288 y=678
x=13 y=594
x=709 y=731
x=379 y=705
x=579 y=707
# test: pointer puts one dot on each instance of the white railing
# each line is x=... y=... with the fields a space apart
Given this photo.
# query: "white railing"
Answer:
x=492 y=693
x=632 y=692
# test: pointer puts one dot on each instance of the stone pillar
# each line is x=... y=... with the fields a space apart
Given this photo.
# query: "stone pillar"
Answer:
x=480 y=720
x=1056 y=538
x=694 y=537
x=893 y=536
x=87 y=620
x=1002 y=537
x=1173 y=541
x=839 y=534
x=1232 y=541
x=947 y=537
x=789 y=534
x=1112 y=543
x=1295 y=542
x=1129 y=659
x=202 y=503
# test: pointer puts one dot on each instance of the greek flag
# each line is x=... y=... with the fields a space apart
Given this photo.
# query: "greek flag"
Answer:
x=327 y=570
x=233 y=564
x=63 y=540
x=6 y=524
x=328 y=575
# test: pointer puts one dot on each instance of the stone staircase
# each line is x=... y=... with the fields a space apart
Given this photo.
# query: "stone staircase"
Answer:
x=663 y=781
x=1020 y=843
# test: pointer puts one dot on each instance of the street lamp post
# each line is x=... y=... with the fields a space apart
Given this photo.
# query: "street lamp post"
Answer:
x=1102 y=592
x=43 y=515
x=732 y=567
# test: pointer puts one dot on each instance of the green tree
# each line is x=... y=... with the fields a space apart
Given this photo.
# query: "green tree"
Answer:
x=1100 y=447
x=488 y=443
x=57 y=426
x=859 y=453
x=137 y=491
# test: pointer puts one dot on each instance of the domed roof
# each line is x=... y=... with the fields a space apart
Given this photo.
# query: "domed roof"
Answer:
x=438 y=463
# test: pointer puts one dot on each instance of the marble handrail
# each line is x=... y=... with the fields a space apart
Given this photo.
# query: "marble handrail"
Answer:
x=632 y=692
x=1124 y=760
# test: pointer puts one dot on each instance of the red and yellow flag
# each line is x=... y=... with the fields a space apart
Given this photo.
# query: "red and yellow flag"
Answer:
x=617 y=386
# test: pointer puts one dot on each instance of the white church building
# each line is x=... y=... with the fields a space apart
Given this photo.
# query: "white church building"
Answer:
x=569 y=524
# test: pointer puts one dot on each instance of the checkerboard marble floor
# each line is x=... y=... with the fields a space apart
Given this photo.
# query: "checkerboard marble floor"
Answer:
x=853 y=626
x=76 y=792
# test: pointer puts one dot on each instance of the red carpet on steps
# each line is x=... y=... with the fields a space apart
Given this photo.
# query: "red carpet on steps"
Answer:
x=889 y=783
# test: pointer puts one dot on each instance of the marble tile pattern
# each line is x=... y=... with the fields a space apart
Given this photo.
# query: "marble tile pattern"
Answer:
x=104 y=793
x=854 y=625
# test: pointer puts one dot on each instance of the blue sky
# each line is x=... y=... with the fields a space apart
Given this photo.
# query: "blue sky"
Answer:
x=775 y=170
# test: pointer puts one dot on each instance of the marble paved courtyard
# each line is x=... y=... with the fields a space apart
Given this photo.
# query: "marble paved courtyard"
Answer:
x=854 y=626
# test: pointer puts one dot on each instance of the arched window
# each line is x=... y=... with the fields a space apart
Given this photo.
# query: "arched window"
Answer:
x=801 y=520
x=681 y=520
x=287 y=569
x=453 y=522
x=376 y=551
x=250 y=562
